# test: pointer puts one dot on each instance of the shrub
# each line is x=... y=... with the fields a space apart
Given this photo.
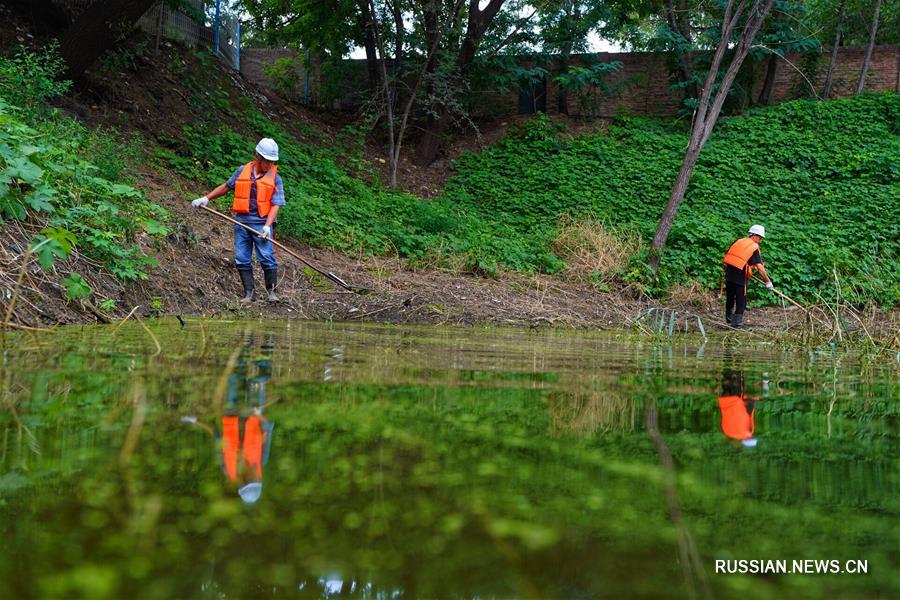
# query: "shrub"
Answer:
x=46 y=171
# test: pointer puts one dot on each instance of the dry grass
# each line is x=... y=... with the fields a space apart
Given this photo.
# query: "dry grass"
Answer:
x=695 y=295
x=592 y=248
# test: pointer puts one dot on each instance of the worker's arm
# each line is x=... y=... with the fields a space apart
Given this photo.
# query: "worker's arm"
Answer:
x=762 y=271
x=273 y=214
x=191 y=420
x=216 y=193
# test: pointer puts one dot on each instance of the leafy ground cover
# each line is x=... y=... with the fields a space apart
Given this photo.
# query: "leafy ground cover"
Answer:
x=822 y=176
x=67 y=180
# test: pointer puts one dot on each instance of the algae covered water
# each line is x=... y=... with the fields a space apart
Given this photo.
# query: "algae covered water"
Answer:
x=289 y=459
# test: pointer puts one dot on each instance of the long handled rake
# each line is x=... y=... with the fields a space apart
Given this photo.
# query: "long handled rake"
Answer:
x=326 y=274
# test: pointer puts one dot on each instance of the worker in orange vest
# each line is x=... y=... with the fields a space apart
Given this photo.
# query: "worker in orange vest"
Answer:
x=243 y=452
x=737 y=407
x=258 y=194
x=741 y=259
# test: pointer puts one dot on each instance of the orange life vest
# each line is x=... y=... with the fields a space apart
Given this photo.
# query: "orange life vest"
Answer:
x=737 y=423
x=265 y=187
x=254 y=438
x=740 y=253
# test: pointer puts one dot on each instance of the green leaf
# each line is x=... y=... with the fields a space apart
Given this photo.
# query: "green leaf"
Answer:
x=76 y=287
x=40 y=199
x=22 y=168
x=28 y=149
x=154 y=227
x=119 y=189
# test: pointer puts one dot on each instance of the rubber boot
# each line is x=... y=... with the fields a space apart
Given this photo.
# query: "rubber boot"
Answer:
x=737 y=321
x=271 y=282
x=728 y=317
x=247 y=282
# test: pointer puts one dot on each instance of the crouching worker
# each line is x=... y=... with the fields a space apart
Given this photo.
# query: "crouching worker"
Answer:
x=741 y=259
x=258 y=194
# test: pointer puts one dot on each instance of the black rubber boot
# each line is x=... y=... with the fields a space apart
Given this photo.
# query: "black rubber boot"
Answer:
x=247 y=282
x=271 y=283
x=737 y=321
x=728 y=317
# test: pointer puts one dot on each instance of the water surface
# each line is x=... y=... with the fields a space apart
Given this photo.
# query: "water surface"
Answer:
x=313 y=460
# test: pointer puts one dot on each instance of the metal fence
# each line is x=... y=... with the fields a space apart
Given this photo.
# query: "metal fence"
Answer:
x=224 y=37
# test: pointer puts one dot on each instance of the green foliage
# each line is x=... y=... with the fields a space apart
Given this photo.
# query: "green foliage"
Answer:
x=328 y=207
x=55 y=168
x=76 y=287
x=285 y=77
x=815 y=173
x=28 y=80
x=812 y=172
x=122 y=59
x=52 y=243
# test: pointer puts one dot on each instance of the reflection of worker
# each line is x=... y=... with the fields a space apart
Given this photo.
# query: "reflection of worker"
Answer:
x=245 y=439
x=737 y=407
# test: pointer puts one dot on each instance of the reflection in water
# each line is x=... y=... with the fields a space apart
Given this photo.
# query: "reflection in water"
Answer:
x=736 y=406
x=245 y=438
x=426 y=462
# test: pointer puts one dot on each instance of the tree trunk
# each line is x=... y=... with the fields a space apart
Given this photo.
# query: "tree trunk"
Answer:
x=829 y=78
x=478 y=22
x=873 y=29
x=365 y=22
x=675 y=199
x=765 y=95
x=707 y=113
x=684 y=56
x=96 y=31
x=562 y=100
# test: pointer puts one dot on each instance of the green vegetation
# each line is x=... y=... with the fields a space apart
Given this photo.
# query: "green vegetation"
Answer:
x=815 y=173
x=812 y=172
x=55 y=171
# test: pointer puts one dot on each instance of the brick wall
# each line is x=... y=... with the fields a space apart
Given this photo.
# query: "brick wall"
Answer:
x=643 y=84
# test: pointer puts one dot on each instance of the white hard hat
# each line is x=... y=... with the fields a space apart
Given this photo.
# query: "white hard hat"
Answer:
x=251 y=492
x=268 y=149
x=755 y=230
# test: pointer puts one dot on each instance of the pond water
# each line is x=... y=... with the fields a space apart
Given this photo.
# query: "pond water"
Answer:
x=296 y=459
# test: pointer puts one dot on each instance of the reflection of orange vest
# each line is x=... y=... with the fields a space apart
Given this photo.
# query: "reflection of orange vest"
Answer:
x=254 y=438
x=740 y=253
x=265 y=187
x=737 y=423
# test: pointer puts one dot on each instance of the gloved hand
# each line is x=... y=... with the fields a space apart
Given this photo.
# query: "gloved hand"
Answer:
x=200 y=202
x=769 y=285
x=266 y=232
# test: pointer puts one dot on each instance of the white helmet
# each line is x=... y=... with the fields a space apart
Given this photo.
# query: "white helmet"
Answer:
x=749 y=443
x=755 y=230
x=251 y=492
x=268 y=149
